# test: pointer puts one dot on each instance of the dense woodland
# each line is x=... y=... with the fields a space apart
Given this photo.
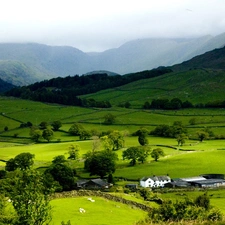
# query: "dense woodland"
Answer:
x=66 y=90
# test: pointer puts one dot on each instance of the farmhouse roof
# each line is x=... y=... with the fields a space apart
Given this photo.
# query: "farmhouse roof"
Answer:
x=99 y=182
x=209 y=181
x=156 y=178
x=190 y=179
x=81 y=182
x=178 y=183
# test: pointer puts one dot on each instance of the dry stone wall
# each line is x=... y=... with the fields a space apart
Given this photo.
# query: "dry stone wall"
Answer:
x=70 y=194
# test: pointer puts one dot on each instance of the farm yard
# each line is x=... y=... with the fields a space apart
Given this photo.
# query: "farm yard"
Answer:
x=192 y=158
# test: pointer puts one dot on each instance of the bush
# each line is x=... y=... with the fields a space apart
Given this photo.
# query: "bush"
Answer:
x=187 y=210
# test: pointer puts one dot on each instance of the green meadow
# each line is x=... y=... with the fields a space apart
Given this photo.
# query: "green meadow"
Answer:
x=191 y=159
x=102 y=211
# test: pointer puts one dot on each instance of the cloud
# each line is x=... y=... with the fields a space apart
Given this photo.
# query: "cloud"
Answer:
x=99 y=25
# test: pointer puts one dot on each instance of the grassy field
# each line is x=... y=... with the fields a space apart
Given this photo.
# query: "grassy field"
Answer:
x=101 y=211
x=192 y=159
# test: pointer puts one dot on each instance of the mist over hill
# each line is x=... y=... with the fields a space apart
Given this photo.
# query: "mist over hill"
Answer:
x=33 y=62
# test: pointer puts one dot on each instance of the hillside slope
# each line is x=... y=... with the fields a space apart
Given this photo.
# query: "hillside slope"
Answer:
x=196 y=86
x=17 y=73
x=45 y=62
x=200 y=80
x=213 y=59
x=4 y=86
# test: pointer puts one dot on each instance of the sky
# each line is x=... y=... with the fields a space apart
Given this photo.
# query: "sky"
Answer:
x=98 y=25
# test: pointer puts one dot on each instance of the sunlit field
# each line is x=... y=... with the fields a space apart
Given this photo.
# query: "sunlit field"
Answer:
x=101 y=211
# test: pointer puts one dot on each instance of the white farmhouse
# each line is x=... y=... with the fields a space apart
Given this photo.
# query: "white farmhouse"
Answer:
x=154 y=181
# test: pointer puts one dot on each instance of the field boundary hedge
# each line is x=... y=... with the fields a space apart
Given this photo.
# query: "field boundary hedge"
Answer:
x=71 y=194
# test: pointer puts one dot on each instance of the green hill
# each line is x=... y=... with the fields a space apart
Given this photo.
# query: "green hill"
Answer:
x=199 y=80
x=197 y=86
x=17 y=73
x=213 y=59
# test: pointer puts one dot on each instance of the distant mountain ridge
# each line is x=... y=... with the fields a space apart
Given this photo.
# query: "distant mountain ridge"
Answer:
x=36 y=62
x=201 y=79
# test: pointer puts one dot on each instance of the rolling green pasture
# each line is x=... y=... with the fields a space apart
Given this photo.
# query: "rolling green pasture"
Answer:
x=192 y=159
x=101 y=211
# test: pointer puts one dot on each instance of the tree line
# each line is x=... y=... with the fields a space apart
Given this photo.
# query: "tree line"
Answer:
x=66 y=90
x=176 y=104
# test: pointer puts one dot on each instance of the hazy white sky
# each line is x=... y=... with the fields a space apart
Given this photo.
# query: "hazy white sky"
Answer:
x=97 y=25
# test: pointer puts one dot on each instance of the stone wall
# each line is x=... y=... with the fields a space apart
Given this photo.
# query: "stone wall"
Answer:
x=70 y=194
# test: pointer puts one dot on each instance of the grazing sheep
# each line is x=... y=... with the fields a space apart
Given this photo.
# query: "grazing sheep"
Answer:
x=90 y=199
x=82 y=210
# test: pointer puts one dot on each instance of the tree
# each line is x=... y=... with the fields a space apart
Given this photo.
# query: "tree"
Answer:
x=175 y=103
x=178 y=128
x=10 y=165
x=43 y=125
x=147 y=105
x=74 y=152
x=136 y=154
x=109 y=119
x=30 y=199
x=110 y=179
x=6 y=128
x=63 y=174
x=143 y=140
x=132 y=154
x=76 y=129
x=202 y=135
x=56 y=125
x=156 y=153
x=181 y=139
x=23 y=161
x=84 y=134
x=116 y=139
x=35 y=134
x=142 y=136
x=59 y=159
x=145 y=151
x=203 y=201
x=101 y=163
x=127 y=105
x=47 y=134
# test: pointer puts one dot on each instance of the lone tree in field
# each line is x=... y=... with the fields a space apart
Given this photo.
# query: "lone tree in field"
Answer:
x=156 y=153
x=74 y=152
x=202 y=135
x=6 y=128
x=181 y=139
x=116 y=139
x=56 y=125
x=109 y=119
x=142 y=134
